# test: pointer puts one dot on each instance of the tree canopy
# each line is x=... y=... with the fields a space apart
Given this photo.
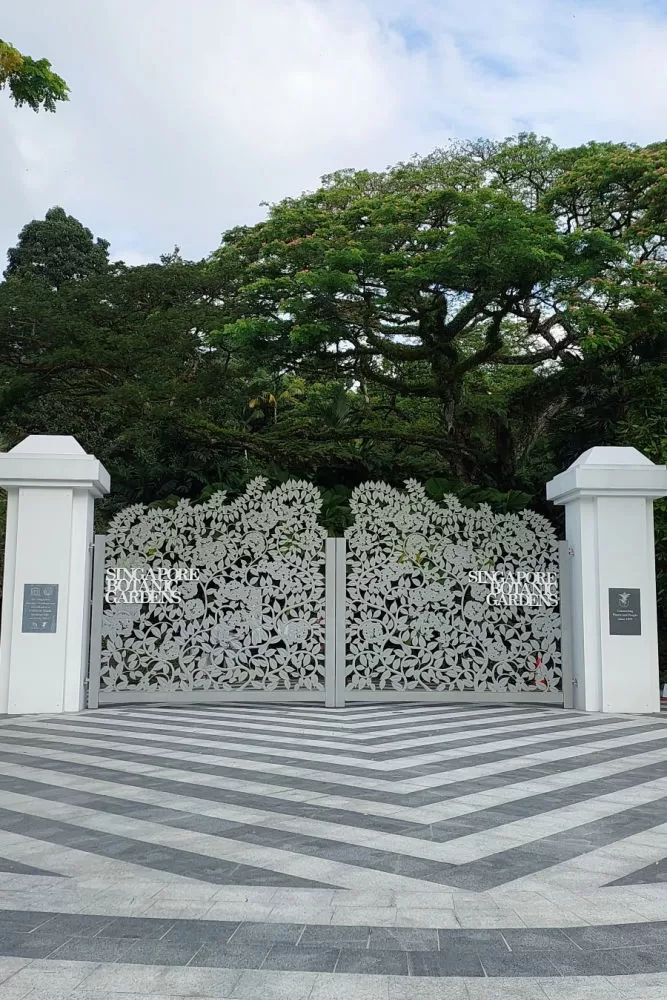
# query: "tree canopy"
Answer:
x=475 y=318
x=461 y=290
x=30 y=81
x=57 y=249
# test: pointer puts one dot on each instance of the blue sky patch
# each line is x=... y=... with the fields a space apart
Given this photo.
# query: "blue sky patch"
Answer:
x=415 y=38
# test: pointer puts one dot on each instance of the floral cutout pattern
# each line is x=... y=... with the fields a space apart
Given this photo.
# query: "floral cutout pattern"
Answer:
x=413 y=619
x=254 y=620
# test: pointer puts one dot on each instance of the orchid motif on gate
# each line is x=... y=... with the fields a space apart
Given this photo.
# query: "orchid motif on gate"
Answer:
x=413 y=619
x=253 y=620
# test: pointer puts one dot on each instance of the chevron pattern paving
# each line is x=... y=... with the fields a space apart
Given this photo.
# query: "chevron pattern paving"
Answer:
x=376 y=851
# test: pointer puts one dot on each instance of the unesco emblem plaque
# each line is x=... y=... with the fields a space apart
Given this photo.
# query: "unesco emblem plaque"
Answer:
x=40 y=607
x=625 y=616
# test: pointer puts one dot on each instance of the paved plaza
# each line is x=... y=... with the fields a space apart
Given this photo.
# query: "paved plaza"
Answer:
x=384 y=852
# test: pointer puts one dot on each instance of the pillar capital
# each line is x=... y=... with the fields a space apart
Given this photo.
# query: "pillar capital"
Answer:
x=52 y=460
x=608 y=471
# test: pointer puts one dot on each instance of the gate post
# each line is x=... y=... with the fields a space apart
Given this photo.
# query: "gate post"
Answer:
x=608 y=497
x=51 y=487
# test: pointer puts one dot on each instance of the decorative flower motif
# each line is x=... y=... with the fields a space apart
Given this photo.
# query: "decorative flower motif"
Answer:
x=193 y=609
x=255 y=618
x=478 y=646
x=296 y=630
x=372 y=630
x=474 y=611
x=231 y=628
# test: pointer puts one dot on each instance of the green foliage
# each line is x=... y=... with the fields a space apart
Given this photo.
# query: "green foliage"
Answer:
x=503 y=503
x=474 y=319
x=57 y=249
x=30 y=81
x=438 y=277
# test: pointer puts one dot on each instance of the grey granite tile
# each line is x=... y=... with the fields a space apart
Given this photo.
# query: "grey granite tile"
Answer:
x=288 y=958
x=541 y=939
x=137 y=927
x=9 y=866
x=641 y=960
x=77 y=925
x=15 y=921
x=334 y=936
x=202 y=931
x=226 y=956
x=31 y=944
x=469 y=938
x=377 y=963
x=99 y=949
x=403 y=939
x=591 y=963
x=457 y=962
x=517 y=964
x=146 y=951
x=648 y=875
x=596 y=938
x=271 y=933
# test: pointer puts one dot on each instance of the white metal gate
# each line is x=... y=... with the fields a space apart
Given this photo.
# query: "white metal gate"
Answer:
x=279 y=612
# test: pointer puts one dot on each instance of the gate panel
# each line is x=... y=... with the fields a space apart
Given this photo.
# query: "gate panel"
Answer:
x=251 y=624
x=418 y=625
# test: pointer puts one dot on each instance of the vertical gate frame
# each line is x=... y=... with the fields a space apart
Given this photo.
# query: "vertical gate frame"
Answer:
x=565 y=553
x=334 y=674
x=341 y=622
x=96 y=608
x=330 y=625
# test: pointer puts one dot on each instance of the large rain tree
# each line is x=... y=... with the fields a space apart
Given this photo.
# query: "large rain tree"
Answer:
x=460 y=297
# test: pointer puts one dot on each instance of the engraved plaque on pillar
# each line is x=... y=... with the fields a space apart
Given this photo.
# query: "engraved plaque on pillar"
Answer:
x=40 y=607
x=625 y=616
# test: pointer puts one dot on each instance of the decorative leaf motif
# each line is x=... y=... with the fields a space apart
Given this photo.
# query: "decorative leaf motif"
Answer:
x=413 y=619
x=255 y=618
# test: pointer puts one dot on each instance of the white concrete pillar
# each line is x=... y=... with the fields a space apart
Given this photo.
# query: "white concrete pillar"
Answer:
x=608 y=495
x=51 y=487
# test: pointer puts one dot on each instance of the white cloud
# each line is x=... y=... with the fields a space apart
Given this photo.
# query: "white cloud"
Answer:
x=184 y=116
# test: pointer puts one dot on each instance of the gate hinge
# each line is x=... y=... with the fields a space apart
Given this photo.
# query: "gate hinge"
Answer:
x=570 y=550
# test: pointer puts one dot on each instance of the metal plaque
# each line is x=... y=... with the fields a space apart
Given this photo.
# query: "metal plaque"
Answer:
x=40 y=607
x=625 y=617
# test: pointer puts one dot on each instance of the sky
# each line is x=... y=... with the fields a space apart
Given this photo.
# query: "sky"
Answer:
x=186 y=115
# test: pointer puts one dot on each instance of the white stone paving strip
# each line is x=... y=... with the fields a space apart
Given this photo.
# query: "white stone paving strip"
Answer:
x=450 y=808
x=275 y=735
x=97 y=981
x=604 y=864
x=353 y=726
x=566 y=729
x=70 y=861
x=505 y=766
x=458 y=850
x=396 y=786
x=315 y=906
x=239 y=852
